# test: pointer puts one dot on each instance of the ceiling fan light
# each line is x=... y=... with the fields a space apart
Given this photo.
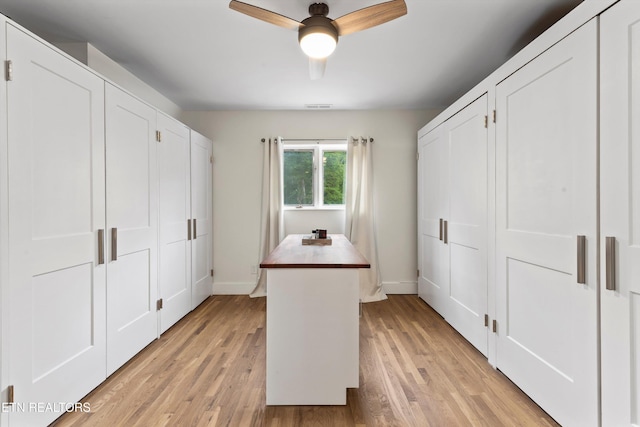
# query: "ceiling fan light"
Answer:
x=318 y=45
x=318 y=37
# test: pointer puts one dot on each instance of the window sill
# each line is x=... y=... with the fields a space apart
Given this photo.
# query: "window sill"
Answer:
x=314 y=208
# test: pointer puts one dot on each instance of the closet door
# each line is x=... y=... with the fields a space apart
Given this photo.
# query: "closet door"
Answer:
x=620 y=214
x=56 y=214
x=433 y=191
x=467 y=223
x=201 y=219
x=132 y=226
x=175 y=230
x=547 y=312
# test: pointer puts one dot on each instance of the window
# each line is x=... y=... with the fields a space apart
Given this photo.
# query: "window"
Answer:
x=314 y=175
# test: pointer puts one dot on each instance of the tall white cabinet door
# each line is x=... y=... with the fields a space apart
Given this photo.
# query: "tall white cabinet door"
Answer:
x=132 y=226
x=433 y=204
x=175 y=230
x=201 y=213
x=620 y=213
x=546 y=178
x=466 y=136
x=56 y=209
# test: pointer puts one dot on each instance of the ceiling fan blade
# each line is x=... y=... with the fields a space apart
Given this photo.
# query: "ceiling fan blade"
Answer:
x=317 y=67
x=264 y=15
x=370 y=17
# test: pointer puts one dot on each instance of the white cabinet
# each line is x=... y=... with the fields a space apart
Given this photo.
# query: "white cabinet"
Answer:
x=132 y=226
x=433 y=208
x=185 y=219
x=175 y=220
x=546 y=198
x=620 y=213
x=202 y=219
x=56 y=198
x=93 y=211
x=453 y=221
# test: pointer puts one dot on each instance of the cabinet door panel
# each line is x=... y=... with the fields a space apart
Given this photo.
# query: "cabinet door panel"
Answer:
x=467 y=223
x=620 y=212
x=56 y=207
x=174 y=210
x=433 y=283
x=201 y=210
x=546 y=178
x=132 y=200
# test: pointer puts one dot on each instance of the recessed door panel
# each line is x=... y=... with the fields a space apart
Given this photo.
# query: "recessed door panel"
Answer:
x=56 y=199
x=132 y=200
x=546 y=188
x=467 y=223
x=174 y=212
x=620 y=213
x=433 y=204
x=201 y=212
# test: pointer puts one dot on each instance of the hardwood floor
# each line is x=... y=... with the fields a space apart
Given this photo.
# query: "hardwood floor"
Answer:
x=209 y=370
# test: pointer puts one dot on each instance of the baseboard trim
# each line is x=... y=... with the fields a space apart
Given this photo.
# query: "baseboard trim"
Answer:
x=233 y=288
x=400 y=288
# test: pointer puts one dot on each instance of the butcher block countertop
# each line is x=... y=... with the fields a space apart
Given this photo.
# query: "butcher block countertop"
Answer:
x=291 y=253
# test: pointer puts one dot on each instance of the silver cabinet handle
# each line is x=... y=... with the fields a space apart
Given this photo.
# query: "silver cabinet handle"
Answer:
x=188 y=229
x=100 y=246
x=582 y=259
x=446 y=232
x=195 y=233
x=441 y=224
x=114 y=244
x=610 y=262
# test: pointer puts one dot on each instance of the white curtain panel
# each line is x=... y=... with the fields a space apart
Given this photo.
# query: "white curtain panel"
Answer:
x=271 y=229
x=360 y=215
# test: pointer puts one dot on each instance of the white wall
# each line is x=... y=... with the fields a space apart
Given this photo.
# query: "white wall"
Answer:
x=98 y=61
x=237 y=174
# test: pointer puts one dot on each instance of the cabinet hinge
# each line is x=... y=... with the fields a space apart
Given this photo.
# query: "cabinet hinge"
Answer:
x=486 y=320
x=159 y=304
x=495 y=326
x=158 y=136
x=8 y=70
x=494 y=116
x=486 y=121
x=212 y=273
x=10 y=397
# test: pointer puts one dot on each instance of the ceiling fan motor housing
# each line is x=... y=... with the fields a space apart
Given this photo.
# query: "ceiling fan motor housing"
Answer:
x=317 y=24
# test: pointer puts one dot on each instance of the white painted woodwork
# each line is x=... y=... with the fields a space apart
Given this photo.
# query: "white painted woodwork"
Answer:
x=546 y=169
x=452 y=187
x=201 y=213
x=620 y=212
x=312 y=335
x=433 y=207
x=174 y=211
x=132 y=208
x=467 y=223
x=56 y=207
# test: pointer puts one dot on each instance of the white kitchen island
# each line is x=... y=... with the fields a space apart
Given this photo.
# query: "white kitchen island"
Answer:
x=312 y=321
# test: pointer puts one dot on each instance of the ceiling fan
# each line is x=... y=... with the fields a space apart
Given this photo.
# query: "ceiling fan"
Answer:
x=318 y=34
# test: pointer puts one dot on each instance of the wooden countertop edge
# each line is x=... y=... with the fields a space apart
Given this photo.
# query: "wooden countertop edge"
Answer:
x=315 y=265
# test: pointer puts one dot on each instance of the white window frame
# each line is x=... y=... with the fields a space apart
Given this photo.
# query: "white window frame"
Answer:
x=318 y=148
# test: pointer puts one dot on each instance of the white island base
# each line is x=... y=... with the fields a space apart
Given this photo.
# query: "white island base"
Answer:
x=312 y=335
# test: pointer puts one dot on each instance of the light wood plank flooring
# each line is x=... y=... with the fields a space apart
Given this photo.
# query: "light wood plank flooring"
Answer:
x=209 y=370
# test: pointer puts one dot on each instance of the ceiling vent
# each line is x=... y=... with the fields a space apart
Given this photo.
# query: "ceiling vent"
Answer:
x=318 y=106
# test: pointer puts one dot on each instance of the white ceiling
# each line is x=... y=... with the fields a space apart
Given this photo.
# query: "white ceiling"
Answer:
x=204 y=56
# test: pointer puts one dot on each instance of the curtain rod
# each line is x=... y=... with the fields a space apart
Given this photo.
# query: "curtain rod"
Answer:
x=323 y=139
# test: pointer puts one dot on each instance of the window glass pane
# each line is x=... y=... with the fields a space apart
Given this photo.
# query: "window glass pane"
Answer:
x=298 y=177
x=333 y=165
